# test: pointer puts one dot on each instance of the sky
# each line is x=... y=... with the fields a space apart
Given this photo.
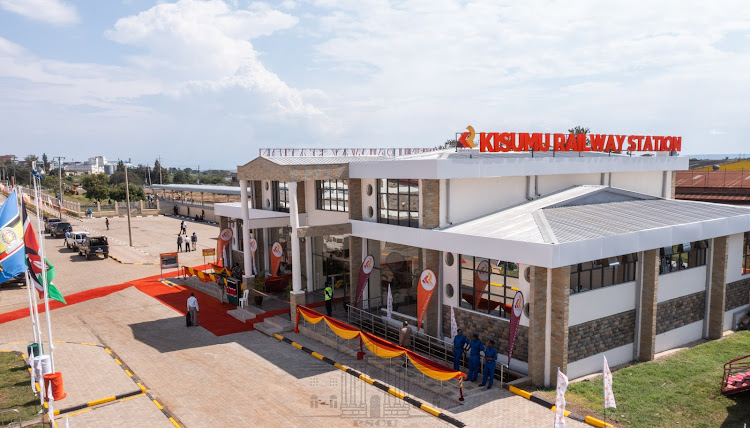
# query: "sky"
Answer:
x=207 y=83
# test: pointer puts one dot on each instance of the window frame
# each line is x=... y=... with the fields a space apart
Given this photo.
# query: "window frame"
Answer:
x=412 y=217
x=338 y=197
x=603 y=273
x=507 y=295
x=746 y=254
x=279 y=203
x=675 y=258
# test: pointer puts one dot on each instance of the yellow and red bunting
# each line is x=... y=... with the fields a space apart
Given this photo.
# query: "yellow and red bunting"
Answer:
x=380 y=347
x=203 y=277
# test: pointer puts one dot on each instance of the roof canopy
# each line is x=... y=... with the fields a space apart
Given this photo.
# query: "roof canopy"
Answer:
x=199 y=188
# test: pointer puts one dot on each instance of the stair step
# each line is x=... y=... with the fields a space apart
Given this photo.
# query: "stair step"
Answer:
x=267 y=329
x=241 y=314
x=279 y=322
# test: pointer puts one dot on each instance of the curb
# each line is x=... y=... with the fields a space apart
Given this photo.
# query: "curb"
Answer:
x=541 y=401
x=135 y=263
x=377 y=384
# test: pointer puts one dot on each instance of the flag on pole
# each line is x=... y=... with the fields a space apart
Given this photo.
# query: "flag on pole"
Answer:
x=34 y=261
x=389 y=303
x=609 y=396
x=50 y=400
x=11 y=240
x=454 y=326
x=562 y=386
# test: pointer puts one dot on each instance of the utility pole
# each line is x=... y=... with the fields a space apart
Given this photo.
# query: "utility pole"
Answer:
x=59 y=177
x=160 y=168
x=127 y=199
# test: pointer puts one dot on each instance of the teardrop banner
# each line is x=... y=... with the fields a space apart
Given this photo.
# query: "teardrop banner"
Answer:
x=515 y=317
x=276 y=252
x=427 y=283
x=224 y=238
x=253 y=245
x=364 y=274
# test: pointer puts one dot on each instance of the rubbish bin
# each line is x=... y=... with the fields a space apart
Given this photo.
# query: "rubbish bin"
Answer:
x=35 y=349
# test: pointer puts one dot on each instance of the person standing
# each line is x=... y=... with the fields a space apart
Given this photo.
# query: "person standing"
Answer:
x=490 y=357
x=404 y=336
x=187 y=244
x=475 y=347
x=106 y=221
x=192 y=307
x=67 y=236
x=183 y=226
x=459 y=342
x=179 y=243
x=194 y=240
x=328 y=294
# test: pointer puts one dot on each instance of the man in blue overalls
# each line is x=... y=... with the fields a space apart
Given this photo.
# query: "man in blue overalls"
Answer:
x=475 y=347
x=458 y=348
x=490 y=356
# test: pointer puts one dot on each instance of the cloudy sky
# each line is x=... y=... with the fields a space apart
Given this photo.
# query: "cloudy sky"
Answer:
x=207 y=83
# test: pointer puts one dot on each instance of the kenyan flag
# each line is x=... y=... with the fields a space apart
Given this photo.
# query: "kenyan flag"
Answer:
x=34 y=261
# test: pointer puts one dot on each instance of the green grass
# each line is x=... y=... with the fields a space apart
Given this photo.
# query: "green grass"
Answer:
x=15 y=387
x=680 y=391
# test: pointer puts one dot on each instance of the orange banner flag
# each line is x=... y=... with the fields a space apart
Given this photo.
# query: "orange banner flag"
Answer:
x=276 y=252
x=427 y=283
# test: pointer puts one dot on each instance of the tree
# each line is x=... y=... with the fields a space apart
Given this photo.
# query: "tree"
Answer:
x=96 y=185
x=30 y=159
x=119 y=177
x=46 y=163
x=180 y=177
x=121 y=166
x=136 y=192
x=581 y=130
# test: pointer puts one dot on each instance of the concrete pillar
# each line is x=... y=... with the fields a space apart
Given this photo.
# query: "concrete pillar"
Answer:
x=718 y=288
x=294 y=220
x=537 y=323
x=649 y=300
x=117 y=208
x=309 y=263
x=266 y=256
x=140 y=205
x=355 y=201
x=245 y=229
x=559 y=322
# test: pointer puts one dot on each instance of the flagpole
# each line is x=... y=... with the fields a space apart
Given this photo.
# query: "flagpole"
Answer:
x=44 y=276
x=28 y=287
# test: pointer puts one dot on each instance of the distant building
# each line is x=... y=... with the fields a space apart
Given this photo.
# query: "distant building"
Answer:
x=6 y=158
x=726 y=186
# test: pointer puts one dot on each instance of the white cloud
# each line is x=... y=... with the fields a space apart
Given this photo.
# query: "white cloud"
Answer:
x=52 y=11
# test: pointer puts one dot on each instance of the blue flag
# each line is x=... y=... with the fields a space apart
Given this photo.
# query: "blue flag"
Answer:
x=12 y=254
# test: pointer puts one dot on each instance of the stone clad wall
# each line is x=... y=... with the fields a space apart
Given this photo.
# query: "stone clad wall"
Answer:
x=599 y=335
x=488 y=328
x=681 y=311
x=738 y=294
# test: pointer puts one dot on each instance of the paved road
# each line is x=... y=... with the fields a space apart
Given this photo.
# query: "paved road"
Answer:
x=244 y=379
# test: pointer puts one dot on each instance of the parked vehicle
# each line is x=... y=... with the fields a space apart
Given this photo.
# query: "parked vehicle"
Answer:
x=57 y=230
x=76 y=238
x=93 y=246
x=49 y=222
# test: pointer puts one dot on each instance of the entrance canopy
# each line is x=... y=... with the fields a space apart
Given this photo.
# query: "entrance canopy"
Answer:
x=259 y=219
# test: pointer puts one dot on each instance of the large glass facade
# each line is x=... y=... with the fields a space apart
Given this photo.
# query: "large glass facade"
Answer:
x=683 y=256
x=488 y=285
x=330 y=261
x=399 y=266
x=746 y=253
x=398 y=202
x=602 y=273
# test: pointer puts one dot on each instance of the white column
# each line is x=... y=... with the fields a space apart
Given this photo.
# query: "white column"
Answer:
x=245 y=229
x=309 y=264
x=266 y=258
x=294 y=220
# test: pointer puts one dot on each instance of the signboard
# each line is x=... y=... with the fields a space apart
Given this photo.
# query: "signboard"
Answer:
x=427 y=283
x=168 y=260
x=542 y=142
x=209 y=252
x=364 y=275
x=276 y=252
x=515 y=317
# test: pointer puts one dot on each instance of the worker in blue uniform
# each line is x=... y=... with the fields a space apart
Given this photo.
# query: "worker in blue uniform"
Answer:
x=490 y=356
x=475 y=347
x=459 y=342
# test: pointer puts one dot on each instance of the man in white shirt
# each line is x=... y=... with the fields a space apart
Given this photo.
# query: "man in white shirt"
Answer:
x=192 y=307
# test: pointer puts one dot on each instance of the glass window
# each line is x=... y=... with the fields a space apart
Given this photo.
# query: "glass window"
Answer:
x=488 y=285
x=330 y=261
x=682 y=256
x=398 y=202
x=746 y=254
x=397 y=265
x=281 y=235
x=602 y=273
x=332 y=195
x=280 y=194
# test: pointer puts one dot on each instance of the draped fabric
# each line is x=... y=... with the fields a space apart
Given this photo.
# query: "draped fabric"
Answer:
x=204 y=277
x=378 y=346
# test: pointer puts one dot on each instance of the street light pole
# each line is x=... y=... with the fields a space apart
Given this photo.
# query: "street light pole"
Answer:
x=127 y=199
x=59 y=177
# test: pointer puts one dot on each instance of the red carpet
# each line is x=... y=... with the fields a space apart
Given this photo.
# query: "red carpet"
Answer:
x=213 y=314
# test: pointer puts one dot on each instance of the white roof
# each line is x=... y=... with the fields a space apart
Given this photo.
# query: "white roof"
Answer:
x=200 y=188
